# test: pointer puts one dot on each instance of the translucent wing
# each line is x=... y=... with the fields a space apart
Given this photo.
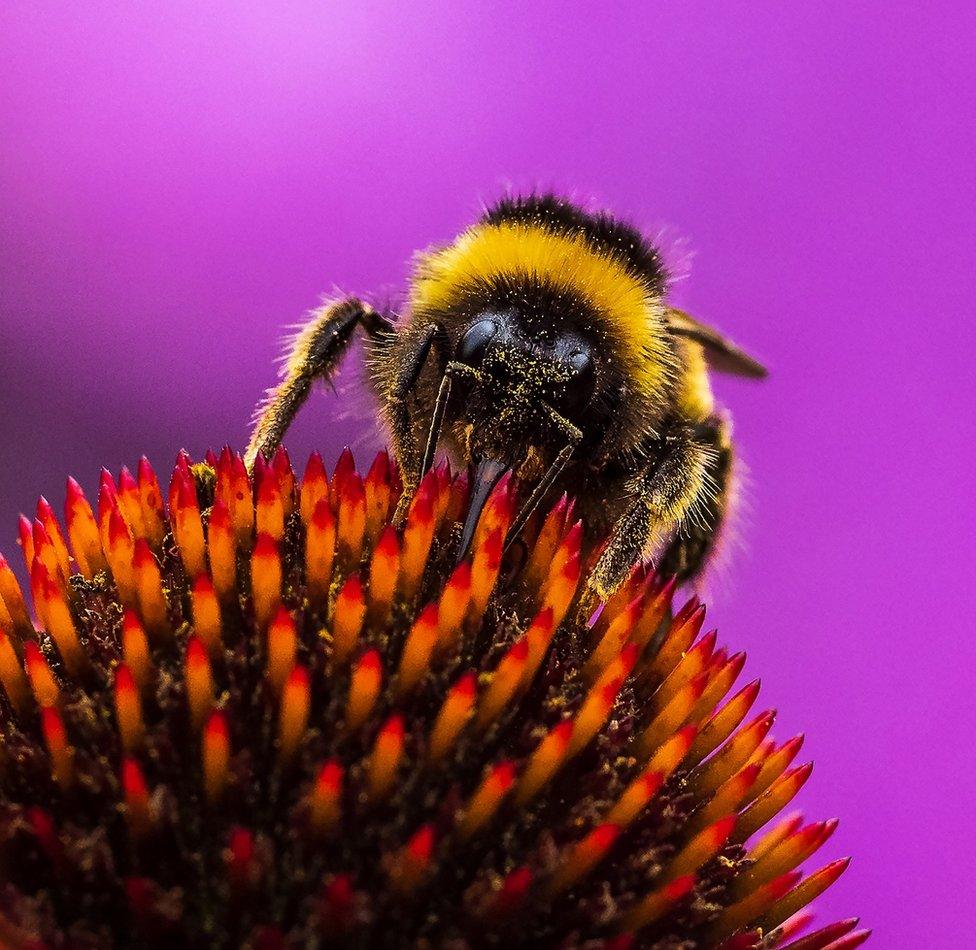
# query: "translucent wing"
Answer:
x=722 y=354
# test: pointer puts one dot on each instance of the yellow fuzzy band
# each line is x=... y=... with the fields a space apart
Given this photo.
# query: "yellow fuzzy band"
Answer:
x=630 y=313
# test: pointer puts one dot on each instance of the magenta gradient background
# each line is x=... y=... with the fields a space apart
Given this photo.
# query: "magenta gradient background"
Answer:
x=178 y=185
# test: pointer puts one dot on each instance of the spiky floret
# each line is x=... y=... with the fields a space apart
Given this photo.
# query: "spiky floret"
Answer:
x=263 y=715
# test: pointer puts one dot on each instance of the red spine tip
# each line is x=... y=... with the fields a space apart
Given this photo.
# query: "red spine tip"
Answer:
x=563 y=732
x=802 y=772
x=52 y=723
x=513 y=890
x=388 y=543
x=46 y=832
x=106 y=483
x=282 y=617
x=268 y=491
x=793 y=745
x=240 y=854
x=124 y=681
x=707 y=643
x=241 y=844
x=39 y=534
x=315 y=468
x=736 y=662
x=50 y=586
x=345 y=467
x=827 y=829
x=380 y=470
x=493 y=547
x=750 y=773
x=322 y=517
x=265 y=546
x=688 y=734
x=133 y=781
x=603 y=836
x=393 y=727
x=422 y=508
x=679 y=887
x=503 y=775
x=142 y=554
x=354 y=492
x=219 y=515
x=261 y=469
x=650 y=782
x=196 y=652
x=216 y=727
x=574 y=537
x=721 y=830
x=698 y=684
x=628 y=656
x=32 y=654
x=187 y=496
x=117 y=528
x=836 y=868
x=339 y=898
x=298 y=678
x=330 y=776
x=571 y=572
x=25 y=532
x=461 y=578
x=352 y=590
x=370 y=661
x=421 y=845
x=466 y=686
x=126 y=481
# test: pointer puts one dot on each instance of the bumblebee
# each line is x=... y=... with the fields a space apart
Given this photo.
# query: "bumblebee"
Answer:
x=540 y=342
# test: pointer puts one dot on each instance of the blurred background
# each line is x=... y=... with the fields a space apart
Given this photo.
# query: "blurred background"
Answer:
x=180 y=182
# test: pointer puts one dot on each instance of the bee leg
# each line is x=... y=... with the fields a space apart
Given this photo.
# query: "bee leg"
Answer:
x=661 y=498
x=689 y=551
x=411 y=454
x=406 y=446
x=313 y=354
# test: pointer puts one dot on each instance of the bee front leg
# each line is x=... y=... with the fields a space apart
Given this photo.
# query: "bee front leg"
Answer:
x=313 y=354
x=661 y=497
x=404 y=428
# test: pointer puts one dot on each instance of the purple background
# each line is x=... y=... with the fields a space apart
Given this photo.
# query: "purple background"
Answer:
x=176 y=186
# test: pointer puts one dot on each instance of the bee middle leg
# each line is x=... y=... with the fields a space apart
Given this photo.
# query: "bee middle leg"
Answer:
x=689 y=551
x=661 y=496
x=406 y=431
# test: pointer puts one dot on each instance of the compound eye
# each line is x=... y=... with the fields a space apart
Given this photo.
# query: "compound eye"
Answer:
x=577 y=389
x=475 y=342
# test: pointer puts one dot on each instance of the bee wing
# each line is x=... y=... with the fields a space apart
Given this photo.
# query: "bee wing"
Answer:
x=722 y=354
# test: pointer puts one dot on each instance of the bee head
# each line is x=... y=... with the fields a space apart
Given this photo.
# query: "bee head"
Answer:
x=555 y=309
x=523 y=380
